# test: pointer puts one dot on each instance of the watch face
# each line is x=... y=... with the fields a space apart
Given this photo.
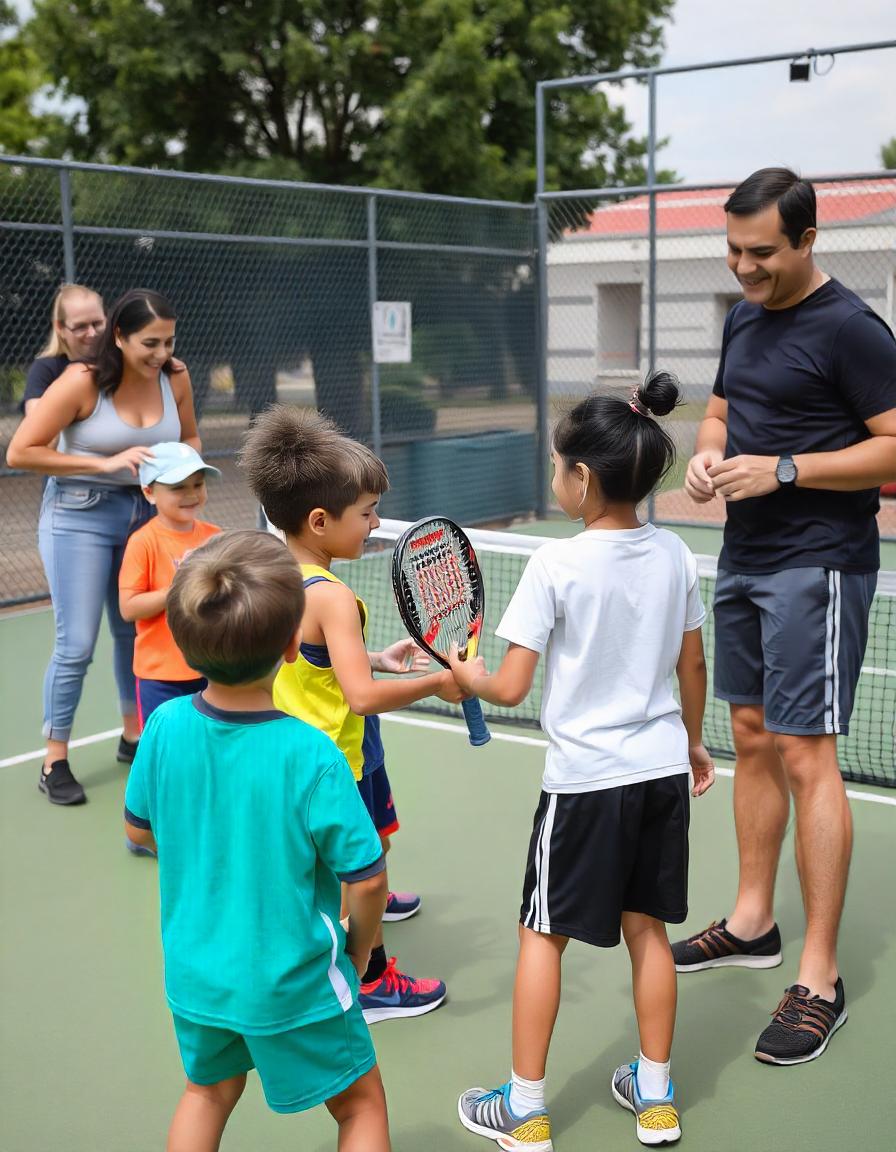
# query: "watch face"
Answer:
x=786 y=471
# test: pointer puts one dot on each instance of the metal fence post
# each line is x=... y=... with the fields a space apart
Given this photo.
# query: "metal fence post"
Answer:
x=651 y=259
x=68 y=235
x=542 y=446
x=376 y=428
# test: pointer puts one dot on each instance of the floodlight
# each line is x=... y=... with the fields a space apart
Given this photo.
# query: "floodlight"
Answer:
x=799 y=70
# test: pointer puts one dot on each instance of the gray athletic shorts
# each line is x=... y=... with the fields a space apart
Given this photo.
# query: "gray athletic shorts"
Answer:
x=792 y=641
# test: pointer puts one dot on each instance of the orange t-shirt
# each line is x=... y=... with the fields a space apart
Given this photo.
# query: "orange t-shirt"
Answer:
x=151 y=558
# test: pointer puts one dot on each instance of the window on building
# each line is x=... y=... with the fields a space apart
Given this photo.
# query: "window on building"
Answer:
x=618 y=327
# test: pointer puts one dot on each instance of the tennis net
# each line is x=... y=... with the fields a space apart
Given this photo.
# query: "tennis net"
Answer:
x=867 y=754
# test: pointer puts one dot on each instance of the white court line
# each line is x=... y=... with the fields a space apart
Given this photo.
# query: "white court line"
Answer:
x=39 y=753
x=440 y=726
x=411 y=722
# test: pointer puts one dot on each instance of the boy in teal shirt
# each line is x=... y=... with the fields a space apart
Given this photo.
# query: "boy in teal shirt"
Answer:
x=257 y=820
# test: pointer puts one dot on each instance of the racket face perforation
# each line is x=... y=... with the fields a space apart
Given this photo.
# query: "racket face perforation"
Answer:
x=438 y=587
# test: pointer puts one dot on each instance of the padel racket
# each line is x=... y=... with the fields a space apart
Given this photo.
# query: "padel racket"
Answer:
x=441 y=598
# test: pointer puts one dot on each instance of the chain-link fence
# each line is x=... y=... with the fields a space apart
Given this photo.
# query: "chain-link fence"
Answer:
x=632 y=279
x=273 y=285
x=598 y=321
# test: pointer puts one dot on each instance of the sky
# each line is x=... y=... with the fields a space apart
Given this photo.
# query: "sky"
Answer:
x=725 y=123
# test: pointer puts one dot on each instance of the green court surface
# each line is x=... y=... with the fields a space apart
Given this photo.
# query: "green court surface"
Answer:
x=89 y=1062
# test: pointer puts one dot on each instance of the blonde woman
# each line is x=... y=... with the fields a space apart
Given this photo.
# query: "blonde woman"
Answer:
x=78 y=322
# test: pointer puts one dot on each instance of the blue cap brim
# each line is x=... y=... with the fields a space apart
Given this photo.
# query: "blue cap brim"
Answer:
x=181 y=472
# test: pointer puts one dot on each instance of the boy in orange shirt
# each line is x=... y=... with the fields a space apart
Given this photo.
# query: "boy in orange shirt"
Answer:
x=173 y=479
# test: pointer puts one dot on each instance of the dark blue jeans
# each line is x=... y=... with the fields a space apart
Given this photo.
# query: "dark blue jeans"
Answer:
x=152 y=693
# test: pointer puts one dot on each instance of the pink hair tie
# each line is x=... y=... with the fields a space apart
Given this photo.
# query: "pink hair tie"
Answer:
x=636 y=405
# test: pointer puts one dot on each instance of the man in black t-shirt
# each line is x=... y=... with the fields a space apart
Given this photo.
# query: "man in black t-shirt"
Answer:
x=798 y=436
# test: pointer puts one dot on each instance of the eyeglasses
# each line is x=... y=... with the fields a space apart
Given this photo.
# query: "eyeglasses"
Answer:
x=82 y=329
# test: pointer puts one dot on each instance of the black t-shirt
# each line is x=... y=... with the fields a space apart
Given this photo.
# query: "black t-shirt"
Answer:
x=41 y=375
x=800 y=380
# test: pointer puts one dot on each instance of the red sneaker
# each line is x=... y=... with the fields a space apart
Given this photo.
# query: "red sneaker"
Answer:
x=396 y=994
x=401 y=906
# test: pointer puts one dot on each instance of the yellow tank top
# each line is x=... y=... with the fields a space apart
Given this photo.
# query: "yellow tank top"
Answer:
x=309 y=689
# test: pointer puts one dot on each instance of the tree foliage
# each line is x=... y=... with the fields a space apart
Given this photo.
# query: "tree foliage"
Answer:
x=888 y=153
x=431 y=95
x=22 y=128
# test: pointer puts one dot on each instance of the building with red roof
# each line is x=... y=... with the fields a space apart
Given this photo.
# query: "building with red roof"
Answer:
x=598 y=277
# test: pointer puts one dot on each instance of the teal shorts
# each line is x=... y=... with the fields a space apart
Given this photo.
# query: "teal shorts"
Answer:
x=298 y=1069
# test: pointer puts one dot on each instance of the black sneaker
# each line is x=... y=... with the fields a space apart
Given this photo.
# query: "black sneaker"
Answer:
x=715 y=947
x=127 y=750
x=801 y=1027
x=60 y=786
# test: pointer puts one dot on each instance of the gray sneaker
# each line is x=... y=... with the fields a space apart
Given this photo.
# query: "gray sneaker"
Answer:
x=140 y=849
x=656 y=1121
x=487 y=1113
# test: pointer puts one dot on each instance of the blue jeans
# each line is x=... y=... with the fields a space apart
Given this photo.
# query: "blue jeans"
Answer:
x=82 y=534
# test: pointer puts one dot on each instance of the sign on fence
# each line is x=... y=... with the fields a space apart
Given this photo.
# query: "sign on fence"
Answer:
x=392 y=332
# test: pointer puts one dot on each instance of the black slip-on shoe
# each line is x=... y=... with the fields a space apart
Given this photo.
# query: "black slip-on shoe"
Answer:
x=59 y=785
x=127 y=750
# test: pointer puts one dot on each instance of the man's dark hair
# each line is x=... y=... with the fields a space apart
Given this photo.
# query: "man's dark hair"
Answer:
x=794 y=197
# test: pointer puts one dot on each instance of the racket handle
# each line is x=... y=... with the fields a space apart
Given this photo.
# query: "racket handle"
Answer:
x=479 y=733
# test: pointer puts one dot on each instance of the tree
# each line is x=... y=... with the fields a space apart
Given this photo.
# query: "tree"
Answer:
x=22 y=129
x=427 y=95
x=432 y=95
x=888 y=154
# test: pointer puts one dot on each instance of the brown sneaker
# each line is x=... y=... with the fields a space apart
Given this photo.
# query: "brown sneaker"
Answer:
x=715 y=947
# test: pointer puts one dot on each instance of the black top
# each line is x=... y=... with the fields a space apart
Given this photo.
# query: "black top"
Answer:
x=41 y=375
x=800 y=380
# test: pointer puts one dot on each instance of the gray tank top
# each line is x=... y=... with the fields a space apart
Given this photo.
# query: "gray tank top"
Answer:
x=104 y=433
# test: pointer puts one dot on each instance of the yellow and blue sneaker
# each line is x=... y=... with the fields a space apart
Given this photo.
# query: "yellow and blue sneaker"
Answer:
x=656 y=1120
x=487 y=1113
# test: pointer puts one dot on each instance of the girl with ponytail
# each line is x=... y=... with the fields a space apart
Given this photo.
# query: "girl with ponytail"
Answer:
x=616 y=611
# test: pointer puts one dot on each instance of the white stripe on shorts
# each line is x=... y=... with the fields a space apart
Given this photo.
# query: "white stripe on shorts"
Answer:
x=533 y=910
x=832 y=656
x=541 y=920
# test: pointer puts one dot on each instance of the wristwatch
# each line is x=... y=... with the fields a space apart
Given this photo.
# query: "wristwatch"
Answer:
x=785 y=470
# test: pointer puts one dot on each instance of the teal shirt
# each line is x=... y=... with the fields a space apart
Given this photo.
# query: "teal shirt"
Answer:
x=257 y=819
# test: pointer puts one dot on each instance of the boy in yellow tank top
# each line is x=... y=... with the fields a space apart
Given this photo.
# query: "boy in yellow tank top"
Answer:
x=320 y=489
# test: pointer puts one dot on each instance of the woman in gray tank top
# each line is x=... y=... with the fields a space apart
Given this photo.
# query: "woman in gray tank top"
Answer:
x=107 y=417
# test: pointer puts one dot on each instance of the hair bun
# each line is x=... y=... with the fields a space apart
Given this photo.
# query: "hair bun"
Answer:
x=659 y=393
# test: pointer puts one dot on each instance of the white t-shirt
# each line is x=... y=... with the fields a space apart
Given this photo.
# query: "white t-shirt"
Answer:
x=608 y=609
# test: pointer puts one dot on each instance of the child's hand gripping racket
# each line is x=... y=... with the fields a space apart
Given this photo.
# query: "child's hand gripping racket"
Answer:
x=441 y=598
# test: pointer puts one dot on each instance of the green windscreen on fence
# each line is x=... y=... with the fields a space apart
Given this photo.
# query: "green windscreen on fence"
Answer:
x=866 y=754
x=274 y=286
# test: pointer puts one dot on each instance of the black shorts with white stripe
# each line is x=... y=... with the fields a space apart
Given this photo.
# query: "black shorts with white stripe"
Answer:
x=595 y=855
x=793 y=641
